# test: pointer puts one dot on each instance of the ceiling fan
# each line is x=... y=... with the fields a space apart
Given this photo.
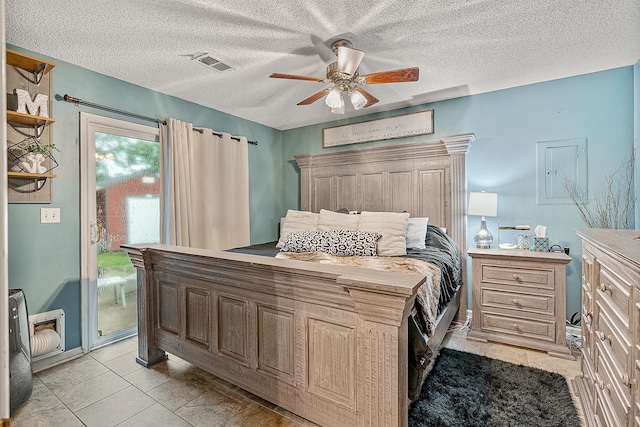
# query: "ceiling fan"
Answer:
x=343 y=74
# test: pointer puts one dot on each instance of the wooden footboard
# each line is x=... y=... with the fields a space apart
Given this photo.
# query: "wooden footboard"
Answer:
x=328 y=343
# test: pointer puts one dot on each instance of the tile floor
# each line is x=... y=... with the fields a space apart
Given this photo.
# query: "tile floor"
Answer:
x=108 y=388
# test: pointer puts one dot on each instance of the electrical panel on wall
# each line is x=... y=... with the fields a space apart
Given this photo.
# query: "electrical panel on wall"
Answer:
x=561 y=166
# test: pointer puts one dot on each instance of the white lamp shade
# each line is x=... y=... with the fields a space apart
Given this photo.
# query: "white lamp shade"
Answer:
x=340 y=108
x=334 y=98
x=349 y=60
x=483 y=204
x=357 y=99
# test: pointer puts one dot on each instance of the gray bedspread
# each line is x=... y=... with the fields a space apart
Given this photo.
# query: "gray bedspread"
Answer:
x=441 y=251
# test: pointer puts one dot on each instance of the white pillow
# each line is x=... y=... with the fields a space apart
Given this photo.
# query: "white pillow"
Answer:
x=297 y=221
x=392 y=226
x=330 y=220
x=417 y=233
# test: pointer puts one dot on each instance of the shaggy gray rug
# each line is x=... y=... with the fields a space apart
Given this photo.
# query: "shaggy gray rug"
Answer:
x=465 y=389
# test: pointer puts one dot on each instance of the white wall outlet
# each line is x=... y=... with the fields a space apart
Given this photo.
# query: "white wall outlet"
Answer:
x=48 y=215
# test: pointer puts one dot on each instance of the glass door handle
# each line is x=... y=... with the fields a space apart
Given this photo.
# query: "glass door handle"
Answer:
x=95 y=233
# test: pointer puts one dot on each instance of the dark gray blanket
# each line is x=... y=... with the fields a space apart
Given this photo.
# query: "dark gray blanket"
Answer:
x=442 y=252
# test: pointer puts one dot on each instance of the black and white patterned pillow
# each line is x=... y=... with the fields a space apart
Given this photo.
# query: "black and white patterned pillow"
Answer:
x=334 y=242
x=303 y=241
x=351 y=242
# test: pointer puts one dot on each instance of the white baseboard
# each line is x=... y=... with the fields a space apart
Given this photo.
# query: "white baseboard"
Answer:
x=49 y=362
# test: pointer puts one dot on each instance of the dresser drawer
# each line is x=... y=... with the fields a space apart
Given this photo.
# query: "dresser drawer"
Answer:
x=618 y=400
x=542 y=304
x=615 y=342
x=587 y=269
x=589 y=381
x=587 y=306
x=604 y=416
x=536 y=329
x=616 y=293
x=541 y=278
x=636 y=371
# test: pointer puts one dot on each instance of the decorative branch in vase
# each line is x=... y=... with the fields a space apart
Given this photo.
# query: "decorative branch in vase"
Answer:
x=613 y=207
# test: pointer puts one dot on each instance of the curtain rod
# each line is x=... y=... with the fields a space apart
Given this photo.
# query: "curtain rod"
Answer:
x=77 y=101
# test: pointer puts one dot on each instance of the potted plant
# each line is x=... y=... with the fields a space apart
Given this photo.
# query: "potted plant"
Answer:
x=30 y=156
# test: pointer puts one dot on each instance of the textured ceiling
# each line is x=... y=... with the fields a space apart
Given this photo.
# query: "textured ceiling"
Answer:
x=462 y=47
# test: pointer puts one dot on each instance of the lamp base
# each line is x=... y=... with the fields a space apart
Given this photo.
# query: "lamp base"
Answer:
x=483 y=237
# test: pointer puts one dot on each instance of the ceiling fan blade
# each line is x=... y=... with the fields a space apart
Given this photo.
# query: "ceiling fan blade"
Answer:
x=295 y=77
x=313 y=98
x=370 y=98
x=394 y=76
x=349 y=60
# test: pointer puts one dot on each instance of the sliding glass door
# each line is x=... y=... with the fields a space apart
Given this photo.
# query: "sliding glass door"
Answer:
x=121 y=195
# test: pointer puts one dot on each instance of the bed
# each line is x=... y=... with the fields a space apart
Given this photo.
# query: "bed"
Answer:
x=327 y=342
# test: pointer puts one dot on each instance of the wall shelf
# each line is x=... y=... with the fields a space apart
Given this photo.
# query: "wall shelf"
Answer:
x=31 y=74
x=36 y=66
x=27 y=175
x=39 y=179
x=38 y=123
x=28 y=119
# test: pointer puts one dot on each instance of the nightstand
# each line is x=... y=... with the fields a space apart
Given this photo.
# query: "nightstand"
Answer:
x=519 y=298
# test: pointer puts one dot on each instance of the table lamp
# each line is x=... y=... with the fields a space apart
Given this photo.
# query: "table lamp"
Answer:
x=483 y=204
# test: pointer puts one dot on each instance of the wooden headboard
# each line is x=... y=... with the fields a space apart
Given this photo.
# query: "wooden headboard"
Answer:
x=426 y=179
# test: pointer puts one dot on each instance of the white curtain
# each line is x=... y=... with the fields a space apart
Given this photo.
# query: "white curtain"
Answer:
x=205 y=182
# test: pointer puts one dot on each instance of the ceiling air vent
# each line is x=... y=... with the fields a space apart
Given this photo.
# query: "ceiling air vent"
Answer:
x=212 y=62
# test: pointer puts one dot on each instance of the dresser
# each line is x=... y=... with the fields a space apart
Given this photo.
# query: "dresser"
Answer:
x=519 y=298
x=608 y=385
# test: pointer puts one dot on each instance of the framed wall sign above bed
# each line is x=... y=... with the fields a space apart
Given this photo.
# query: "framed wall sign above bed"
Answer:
x=403 y=126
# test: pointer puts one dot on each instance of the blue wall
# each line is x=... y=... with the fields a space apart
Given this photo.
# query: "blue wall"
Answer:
x=507 y=125
x=636 y=133
x=44 y=259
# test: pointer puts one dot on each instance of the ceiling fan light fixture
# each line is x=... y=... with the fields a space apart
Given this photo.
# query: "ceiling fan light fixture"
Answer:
x=334 y=98
x=344 y=76
x=349 y=60
x=339 y=110
x=357 y=99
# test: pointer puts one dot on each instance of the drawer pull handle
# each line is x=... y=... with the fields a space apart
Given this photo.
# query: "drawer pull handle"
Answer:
x=516 y=302
x=516 y=327
x=516 y=277
x=603 y=337
x=627 y=381
x=603 y=387
x=604 y=288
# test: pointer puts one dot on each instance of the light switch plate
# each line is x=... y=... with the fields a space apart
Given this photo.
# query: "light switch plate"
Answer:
x=49 y=215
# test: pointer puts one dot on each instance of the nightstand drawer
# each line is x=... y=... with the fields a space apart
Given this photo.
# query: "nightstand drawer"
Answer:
x=519 y=276
x=536 y=329
x=542 y=304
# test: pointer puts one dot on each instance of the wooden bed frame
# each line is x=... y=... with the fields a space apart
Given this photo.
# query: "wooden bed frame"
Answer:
x=326 y=342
